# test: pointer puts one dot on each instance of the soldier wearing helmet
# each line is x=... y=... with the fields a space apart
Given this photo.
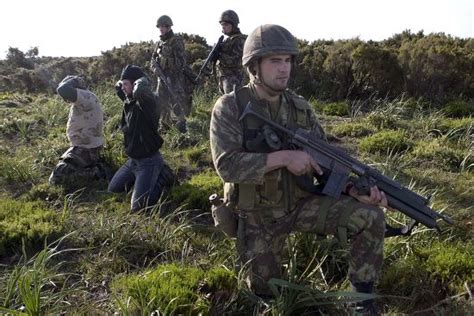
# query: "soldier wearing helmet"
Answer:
x=170 y=54
x=229 y=63
x=262 y=173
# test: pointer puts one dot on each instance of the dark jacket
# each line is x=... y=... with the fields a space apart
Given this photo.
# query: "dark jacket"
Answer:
x=140 y=121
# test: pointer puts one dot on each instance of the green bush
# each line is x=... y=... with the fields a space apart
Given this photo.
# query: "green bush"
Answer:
x=441 y=154
x=453 y=264
x=195 y=193
x=198 y=154
x=352 y=130
x=336 y=109
x=385 y=141
x=381 y=120
x=444 y=266
x=456 y=128
x=31 y=221
x=459 y=108
x=171 y=289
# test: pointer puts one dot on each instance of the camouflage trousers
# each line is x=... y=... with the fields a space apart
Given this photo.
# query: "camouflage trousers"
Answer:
x=264 y=233
x=76 y=161
x=227 y=83
x=173 y=112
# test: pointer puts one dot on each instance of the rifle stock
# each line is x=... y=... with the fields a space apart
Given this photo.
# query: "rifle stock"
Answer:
x=338 y=166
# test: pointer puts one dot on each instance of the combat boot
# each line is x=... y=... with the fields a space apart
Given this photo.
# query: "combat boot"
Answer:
x=365 y=307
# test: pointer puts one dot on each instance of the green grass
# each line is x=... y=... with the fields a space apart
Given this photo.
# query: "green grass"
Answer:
x=121 y=257
x=171 y=289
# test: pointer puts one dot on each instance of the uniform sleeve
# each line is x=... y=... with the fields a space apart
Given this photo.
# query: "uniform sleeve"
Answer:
x=232 y=162
x=147 y=100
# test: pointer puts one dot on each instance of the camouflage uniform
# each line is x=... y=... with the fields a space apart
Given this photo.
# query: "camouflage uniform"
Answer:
x=84 y=131
x=271 y=204
x=229 y=64
x=171 y=54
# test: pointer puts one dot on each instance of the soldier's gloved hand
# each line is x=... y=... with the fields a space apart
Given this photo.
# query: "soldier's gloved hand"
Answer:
x=118 y=89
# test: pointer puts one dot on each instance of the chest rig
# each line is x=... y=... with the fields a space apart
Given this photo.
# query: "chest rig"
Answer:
x=166 y=52
x=279 y=189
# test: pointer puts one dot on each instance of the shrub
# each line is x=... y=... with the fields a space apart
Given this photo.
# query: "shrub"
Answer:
x=32 y=222
x=195 y=193
x=385 y=141
x=444 y=266
x=459 y=108
x=440 y=154
x=453 y=264
x=456 y=128
x=171 y=289
x=352 y=130
x=336 y=109
x=381 y=120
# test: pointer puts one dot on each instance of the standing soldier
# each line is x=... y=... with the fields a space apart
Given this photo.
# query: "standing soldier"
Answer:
x=170 y=57
x=229 y=64
x=262 y=174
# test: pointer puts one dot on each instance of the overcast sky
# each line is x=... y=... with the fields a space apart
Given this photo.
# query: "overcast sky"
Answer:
x=87 y=27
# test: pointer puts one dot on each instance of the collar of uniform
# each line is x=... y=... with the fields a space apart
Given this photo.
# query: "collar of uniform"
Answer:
x=167 y=36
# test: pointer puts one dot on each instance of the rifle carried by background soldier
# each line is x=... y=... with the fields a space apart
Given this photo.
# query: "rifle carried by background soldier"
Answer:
x=338 y=167
x=212 y=57
x=177 y=102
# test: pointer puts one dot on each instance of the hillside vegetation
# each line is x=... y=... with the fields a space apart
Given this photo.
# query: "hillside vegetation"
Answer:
x=77 y=249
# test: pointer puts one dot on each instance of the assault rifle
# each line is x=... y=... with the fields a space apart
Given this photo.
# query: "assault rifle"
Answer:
x=156 y=67
x=212 y=57
x=338 y=167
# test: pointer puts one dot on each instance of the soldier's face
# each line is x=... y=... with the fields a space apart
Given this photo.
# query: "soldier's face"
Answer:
x=127 y=87
x=164 y=29
x=275 y=70
x=226 y=27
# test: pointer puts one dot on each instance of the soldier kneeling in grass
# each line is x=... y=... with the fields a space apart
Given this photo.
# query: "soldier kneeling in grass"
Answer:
x=84 y=131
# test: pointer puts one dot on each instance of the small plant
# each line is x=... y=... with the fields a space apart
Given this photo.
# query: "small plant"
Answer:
x=37 y=286
x=459 y=108
x=353 y=130
x=336 y=109
x=28 y=222
x=195 y=193
x=171 y=289
x=381 y=120
x=442 y=154
x=386 y=141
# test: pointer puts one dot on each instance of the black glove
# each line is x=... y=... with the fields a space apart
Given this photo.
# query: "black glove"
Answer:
x=118 y=89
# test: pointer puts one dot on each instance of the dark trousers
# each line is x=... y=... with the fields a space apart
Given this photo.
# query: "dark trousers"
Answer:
x=141 y=174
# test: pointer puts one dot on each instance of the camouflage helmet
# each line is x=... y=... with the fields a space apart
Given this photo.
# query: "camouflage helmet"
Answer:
x=268 y=39
x=229 y=16
x=164 y=20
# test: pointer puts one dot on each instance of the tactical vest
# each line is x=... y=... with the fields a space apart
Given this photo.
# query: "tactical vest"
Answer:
x=279 y=189
x=230 y=59
x=166 y=52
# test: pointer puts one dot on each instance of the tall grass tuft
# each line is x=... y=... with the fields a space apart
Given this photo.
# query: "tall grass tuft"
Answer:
x=37 y=286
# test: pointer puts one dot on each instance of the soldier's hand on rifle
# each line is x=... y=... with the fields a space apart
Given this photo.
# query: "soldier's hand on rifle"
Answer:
x=301 y=163
x=376 y=196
